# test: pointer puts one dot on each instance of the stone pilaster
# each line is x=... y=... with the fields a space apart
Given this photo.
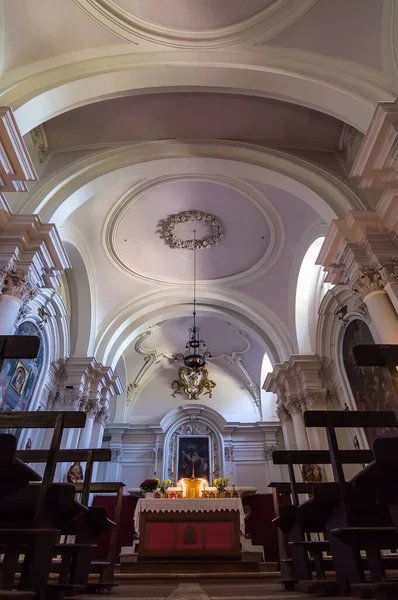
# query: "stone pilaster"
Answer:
x=32 y=257
x=301 y=384
x=361 y=253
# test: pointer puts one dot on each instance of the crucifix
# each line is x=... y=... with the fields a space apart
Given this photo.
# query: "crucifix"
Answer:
x=193 y=459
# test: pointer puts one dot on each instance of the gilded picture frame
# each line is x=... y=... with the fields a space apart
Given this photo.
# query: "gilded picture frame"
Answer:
x=19 y=378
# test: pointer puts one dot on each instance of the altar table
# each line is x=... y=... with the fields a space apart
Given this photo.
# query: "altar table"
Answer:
x=189 y=527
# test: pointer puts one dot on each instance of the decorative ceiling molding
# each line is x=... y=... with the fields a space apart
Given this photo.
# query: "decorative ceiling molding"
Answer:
x=376 y=161
x=193 y=216
x=152 y=361
x=262 y=26
x=262 y=266
x=40 y=143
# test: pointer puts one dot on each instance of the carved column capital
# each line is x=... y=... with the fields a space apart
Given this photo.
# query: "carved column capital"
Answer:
x=296 y=405
x=373 y=278
x=17 y=284
x=91 y=407
x=116 y=454
x=103 y=415
x=282 y=413
x=229 y=452
x=316 y=400
x=268 y=451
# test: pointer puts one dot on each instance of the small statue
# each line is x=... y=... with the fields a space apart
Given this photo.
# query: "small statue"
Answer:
x=28 y=445
x=75 y=473
x=311 y=473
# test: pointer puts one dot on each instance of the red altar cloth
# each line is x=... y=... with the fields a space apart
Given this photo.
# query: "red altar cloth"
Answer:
x=259 y=524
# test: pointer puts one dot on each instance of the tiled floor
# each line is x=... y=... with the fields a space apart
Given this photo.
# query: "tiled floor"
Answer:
x=195 y=591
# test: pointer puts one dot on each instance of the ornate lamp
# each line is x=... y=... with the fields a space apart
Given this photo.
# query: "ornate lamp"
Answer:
x=196 y=350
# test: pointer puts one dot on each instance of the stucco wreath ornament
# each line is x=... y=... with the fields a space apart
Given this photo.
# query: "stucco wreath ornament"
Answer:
x=191 y=216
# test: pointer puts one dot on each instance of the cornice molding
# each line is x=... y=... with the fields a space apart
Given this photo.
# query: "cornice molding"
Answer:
x=16 y=166
x=261 y=202
x=261 y=26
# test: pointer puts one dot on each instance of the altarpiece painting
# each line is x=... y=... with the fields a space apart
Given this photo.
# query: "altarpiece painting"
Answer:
x=197 y=448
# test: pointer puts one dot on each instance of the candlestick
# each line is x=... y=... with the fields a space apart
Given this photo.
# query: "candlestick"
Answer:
x=173 y=462
x=156 y=457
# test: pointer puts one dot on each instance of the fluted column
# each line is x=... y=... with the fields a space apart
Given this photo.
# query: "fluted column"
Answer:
x=296 y=407
x=287 y=427
x=92 y=408
x=369 y=287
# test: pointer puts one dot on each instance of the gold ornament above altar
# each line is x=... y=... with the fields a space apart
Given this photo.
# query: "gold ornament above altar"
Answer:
x=193 y=382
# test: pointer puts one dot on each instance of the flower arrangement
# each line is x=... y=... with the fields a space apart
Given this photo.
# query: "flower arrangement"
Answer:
x=221 y=484
x=149 y=485
x=164 y=484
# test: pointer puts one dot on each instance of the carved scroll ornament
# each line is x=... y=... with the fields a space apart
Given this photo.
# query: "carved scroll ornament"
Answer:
x=193 y=382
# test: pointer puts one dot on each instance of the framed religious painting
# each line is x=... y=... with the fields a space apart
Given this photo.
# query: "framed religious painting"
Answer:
x=194 y=450
x=19 y=378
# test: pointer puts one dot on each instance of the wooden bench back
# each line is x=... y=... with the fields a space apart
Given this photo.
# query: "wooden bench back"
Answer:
x=350 y=418
x=311 y=457
x=44 y=420
x=89 y=456
x=342 y=418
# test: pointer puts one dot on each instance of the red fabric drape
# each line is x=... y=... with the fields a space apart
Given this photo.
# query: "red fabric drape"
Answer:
x=126 y=529
x=260 y=526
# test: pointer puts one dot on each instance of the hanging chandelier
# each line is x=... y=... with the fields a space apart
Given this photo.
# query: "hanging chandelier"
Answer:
x=196 y=351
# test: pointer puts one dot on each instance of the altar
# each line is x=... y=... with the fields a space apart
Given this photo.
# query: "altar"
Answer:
x=189 y=527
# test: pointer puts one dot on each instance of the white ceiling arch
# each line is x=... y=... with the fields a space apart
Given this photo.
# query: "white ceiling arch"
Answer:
x=133 y=317
x=58 y=196
x=343 y=90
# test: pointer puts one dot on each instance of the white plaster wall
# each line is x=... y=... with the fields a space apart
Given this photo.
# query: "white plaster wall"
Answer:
x=251 y=466
x=230 y=398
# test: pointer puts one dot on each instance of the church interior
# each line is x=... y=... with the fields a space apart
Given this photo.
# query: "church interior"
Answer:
x=199 y=299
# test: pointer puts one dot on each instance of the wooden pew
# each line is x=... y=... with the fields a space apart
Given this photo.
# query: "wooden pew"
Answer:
x=32 y=531
x=106 y=569
x=380 y=478
x=298 y=519
x=15 y=475
x=351 y=509
x=76 y=558
x=286 y=564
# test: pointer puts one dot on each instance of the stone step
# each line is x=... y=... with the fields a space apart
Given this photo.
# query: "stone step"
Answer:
x=180 y=566
x=203 y=578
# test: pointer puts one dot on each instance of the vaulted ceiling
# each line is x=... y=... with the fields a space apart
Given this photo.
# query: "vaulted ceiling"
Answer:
x=249 y=111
